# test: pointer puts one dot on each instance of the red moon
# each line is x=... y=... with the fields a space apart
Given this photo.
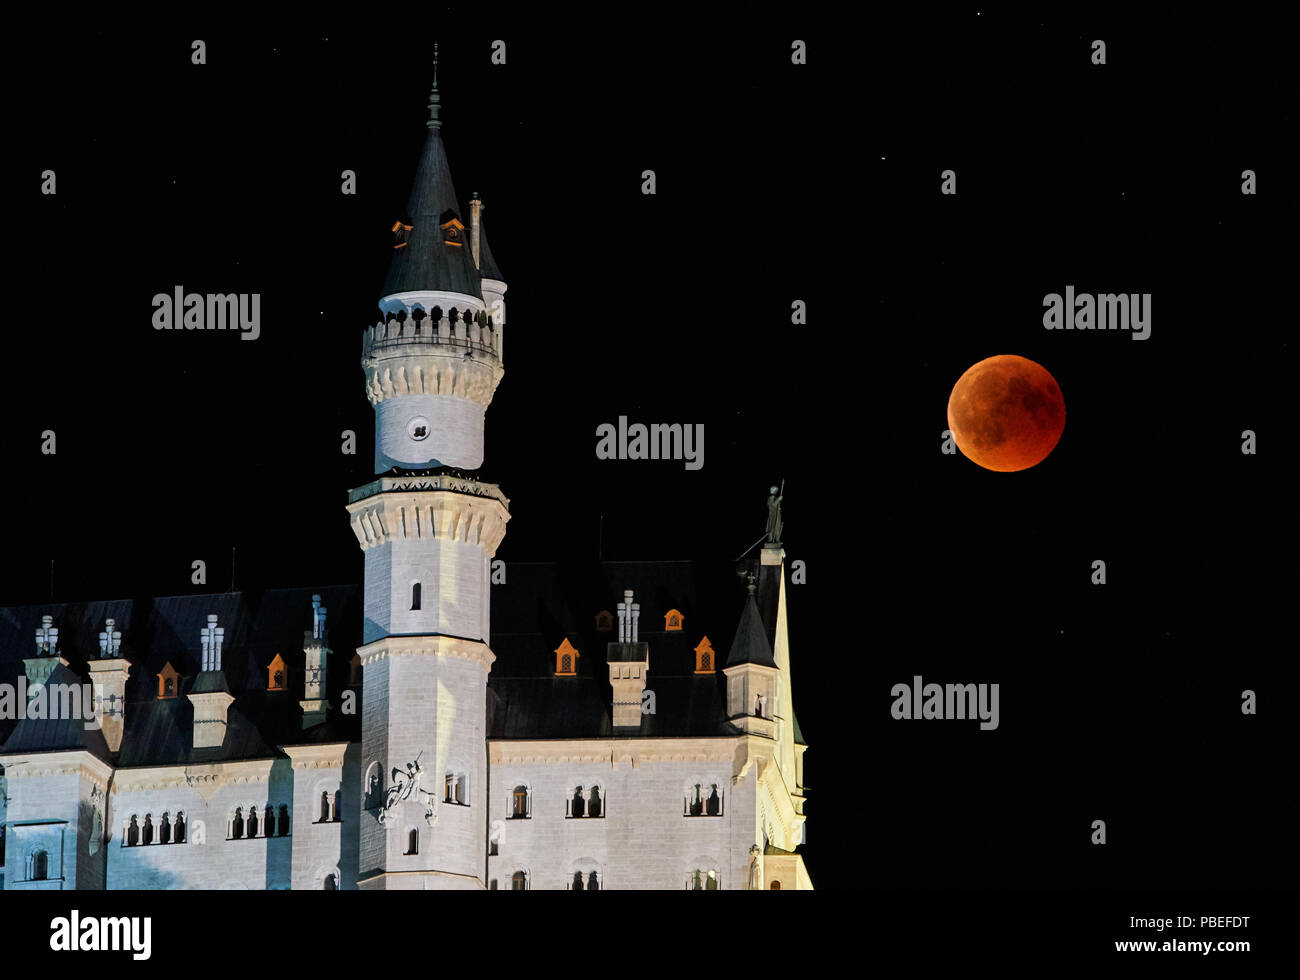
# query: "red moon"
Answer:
x=1006 y=413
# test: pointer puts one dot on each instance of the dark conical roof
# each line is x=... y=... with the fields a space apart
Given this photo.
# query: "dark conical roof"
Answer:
x=487 y=265
x=425 y=262
x=750 y=645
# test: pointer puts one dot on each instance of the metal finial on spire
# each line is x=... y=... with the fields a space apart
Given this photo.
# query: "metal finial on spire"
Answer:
x=435 y=99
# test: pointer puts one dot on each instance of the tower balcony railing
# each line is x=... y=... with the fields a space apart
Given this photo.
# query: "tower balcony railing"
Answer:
x=461 y=336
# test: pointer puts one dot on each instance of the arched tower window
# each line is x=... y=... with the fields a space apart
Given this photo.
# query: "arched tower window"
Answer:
x=593 y=882
x=147 y=835
x=519 y=803
x=40 y=866
x=133 y=833
x=237 y=824
x=284 y=822
x=324 y=808
x=594 y=803
x=331 y=883
x=577 y=882
x=252 y=821
x=519 y=881
x=180 y=826
x=165 y=830
x=413 y=840
x=415 y=596
x=578 y=805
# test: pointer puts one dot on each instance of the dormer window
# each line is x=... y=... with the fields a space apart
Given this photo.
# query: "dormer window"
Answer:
x=452 y=229
x=704 y=659
x=604 y=621
x=672 y=620
x=402 y=233
x=277 y=675
x=566 y=659
x=168 y=681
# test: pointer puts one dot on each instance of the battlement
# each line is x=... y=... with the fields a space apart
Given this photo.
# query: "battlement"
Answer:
x=480 y=340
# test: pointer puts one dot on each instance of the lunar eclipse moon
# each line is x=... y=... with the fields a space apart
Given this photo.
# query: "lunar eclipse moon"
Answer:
x=1006 y=413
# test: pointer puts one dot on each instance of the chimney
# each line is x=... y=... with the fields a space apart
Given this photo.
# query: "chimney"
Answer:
x=108 y=676
x=210 y=695
x=629 y=662
x=47 y=656
x=475 y=210
x=314 y=645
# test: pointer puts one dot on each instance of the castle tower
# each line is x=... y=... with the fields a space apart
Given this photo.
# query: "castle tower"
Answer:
x=428 y=535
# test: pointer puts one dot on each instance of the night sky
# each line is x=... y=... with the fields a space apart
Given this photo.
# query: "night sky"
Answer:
x=775 y=183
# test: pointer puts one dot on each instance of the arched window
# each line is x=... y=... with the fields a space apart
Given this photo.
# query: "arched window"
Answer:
x=331 y=883
x=180 y=826
x=147 y=835
x=775 y=886
x=415 y=596
x=165 y=830
x=578 y=806
x=412 y=840
x=374 y=786
x=252 y=821
x=594 y=803
x=324 y=808
x=519 y=803
x=519 y=881
x=577 y=882
x=237 y=824
x=284 y=822
x=268 y=821
x=702 y=879
x=40 y=866
x=714 y=804
x=593 y=883
x=695 y=804
x=132 y=833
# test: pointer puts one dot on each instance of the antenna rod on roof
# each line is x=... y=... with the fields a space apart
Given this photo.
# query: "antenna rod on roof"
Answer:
x=751 y=547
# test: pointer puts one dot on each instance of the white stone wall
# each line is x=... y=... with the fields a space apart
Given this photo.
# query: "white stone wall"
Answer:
x=454 y=425
x=208 y=859
x=643 y=842
x=432 y=707
x=453 y=577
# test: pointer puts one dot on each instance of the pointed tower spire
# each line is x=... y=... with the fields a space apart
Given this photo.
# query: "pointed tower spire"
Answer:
x=435 y=100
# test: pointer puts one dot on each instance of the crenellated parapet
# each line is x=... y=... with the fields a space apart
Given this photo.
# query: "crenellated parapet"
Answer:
x=428 y=509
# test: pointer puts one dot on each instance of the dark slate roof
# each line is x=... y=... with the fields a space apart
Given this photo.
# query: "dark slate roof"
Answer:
x=48 y=735
x=258 y=626
x=487 y=265
x=425 y=262
x=539 y=605
x=750 y=645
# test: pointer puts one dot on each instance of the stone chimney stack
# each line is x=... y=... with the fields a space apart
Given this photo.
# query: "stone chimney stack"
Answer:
x=629 y=663
x=47 y=656
x=210 y=694
x=315 y=646
x=108 y=676
x=475 y=214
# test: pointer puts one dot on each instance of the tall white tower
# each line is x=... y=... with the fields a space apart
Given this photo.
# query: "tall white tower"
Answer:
x=428 y=532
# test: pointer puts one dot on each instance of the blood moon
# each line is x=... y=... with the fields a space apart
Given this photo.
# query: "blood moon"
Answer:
x=1006 y=413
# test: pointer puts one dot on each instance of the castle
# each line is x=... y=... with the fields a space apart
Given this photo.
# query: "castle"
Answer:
x=455 y=723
